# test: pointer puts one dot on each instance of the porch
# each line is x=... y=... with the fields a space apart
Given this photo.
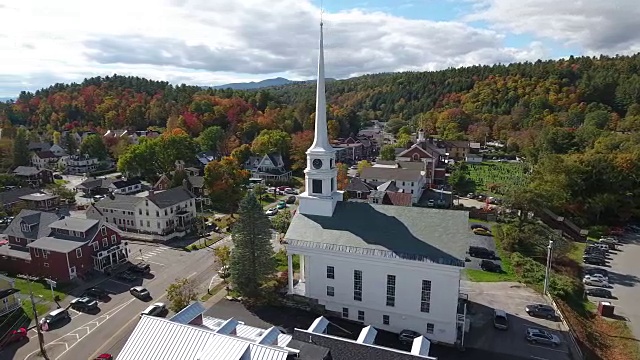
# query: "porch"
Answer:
x=296 y=287
x=8 y=301
x=105 y=260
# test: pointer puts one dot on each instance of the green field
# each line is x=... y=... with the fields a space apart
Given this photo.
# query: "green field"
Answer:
x=502 y=175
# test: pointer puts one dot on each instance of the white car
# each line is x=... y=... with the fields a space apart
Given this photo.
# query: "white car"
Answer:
x=271 y=212
x=597 y=276
x=154 y=310
x=595 y=281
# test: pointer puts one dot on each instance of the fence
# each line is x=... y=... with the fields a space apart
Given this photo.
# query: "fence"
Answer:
x=574 y=348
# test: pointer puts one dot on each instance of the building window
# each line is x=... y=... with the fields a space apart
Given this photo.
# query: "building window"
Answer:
x=148 y=223
x=345 y=313
x=316 y=186
x=96 y=246
x=330 y=291
x=120 y=221
x=391 y=290
x=330 y=272
x=105 y=242
x=46 y=264
x=114 y=239
x=26 y=227
x=425 y=299
x=103 y=231
x=157 y=213
x=165 y=212
x=36 y=252
x=78 y=252
x=357 y=285
x=45 y=254
x=360 y=315
x=139 y=211
x=333 y=185
x=158 y=224
x=385 y=319
x=430 y=328
x=141 y=223
x=359 y=194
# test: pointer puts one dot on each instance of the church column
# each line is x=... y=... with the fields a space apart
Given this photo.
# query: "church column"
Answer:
x=290 y=268
x=302 y=272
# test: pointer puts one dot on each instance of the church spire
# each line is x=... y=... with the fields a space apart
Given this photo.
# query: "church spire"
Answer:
x=321 y=138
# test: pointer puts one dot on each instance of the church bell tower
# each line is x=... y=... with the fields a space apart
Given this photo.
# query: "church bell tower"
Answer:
x=321 y=174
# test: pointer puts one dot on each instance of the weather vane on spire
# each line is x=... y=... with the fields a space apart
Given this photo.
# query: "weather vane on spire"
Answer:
x=321 y=11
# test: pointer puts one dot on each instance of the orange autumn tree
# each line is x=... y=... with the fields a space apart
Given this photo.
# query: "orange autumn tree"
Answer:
x=343 y=178
x=226 y=183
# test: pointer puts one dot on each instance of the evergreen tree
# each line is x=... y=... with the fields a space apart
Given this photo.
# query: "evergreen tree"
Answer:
x=252 y=259
x=21 y=148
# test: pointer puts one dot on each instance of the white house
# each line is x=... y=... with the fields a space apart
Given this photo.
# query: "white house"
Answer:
x=125 y=187
x=391 y=267
x=407 y=180
x=80 y=164
x=58 y=150
x=269 y=167
x=44 y=159
x=162 y=215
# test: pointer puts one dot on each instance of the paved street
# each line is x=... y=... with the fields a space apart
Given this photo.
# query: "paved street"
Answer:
x=85 y=334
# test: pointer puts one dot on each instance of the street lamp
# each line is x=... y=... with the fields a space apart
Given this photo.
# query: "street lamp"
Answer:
x=548 y=269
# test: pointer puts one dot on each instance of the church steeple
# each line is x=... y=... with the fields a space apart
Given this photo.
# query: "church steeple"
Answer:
x=321 y=138
x=321 y=186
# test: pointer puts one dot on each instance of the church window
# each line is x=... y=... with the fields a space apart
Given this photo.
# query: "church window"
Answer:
x=316 y=186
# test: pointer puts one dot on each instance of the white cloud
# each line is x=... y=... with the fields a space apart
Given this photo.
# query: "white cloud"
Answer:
x=220 y=41
x=596 y=26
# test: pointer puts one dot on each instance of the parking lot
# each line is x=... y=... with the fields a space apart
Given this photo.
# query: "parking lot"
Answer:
x=480 y=241
x=512 y=298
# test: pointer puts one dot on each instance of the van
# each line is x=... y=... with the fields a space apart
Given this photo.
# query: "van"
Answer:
x=55 y=316
x=604 y=247
x=500 y=320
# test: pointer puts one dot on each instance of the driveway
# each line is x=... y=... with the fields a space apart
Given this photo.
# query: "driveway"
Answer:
x=481 y=241
x=512 y=298
x=624 y=276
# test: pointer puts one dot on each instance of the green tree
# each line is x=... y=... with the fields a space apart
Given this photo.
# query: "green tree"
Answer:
x=363 y=164
x=94 y=147
x=211 y=138
x=21 y=148
x=270 y=141
x=458 y=180
x=180 y=294
x=56 y=137
x=403 y=140
x=252 y=261
x=241 y=154
x=388 y=152
x=226 y=183
x=223 y=255
x=70 y=142
x=281 y=221
x=259 y=190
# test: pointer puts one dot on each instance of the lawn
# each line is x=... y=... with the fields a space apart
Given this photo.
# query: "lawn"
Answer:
x=483 y=176
x=576 y=252
x=40 y=289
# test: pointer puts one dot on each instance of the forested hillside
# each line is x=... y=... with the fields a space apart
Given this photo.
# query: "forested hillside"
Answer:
x=576 y=120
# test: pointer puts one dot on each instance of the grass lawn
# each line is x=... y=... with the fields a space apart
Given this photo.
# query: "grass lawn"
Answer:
x=502 y=174
x=41 y=308
x=40 y=290
x=577 y=250
x=60 y=181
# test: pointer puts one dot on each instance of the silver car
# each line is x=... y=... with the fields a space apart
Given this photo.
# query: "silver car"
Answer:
x=539 y=336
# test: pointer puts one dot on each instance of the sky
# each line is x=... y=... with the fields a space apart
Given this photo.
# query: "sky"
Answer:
x=213 y=42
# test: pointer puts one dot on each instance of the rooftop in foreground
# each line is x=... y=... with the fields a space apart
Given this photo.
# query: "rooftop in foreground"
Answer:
x=412 y=233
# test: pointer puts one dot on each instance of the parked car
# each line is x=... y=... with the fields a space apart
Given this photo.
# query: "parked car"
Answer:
x=291 y=200
x=595 y=281
x=84 y=304
x=541 y=310
x=483 y=232
x=599 y=292
x=596 y=270
x=154 y=310
x=141 y=268
x=500 y=319
x=431 y=203
x=95 y=292
x=291 y=191
x=126 y=276
x=407 y=336
x=593 y=260
x=479 y=226
x=140 y=292
x=57 y=176
x=14 y=337
x=281 y=204
x=597 y=276
x=104 y=357
x=488 y=265
x=594 y=251
x=481 y=252
x=539 y=336
x=271 y=212
x=471 y=195
x=608 y=240
x=55 y=316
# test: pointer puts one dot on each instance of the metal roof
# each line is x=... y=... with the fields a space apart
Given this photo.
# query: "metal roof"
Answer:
x=161 y=339
x=120 y=202
x=56 y=244
x=38 y=220
x=38 y=197
x=74 y=224
x=189 y=313
x=245 y=331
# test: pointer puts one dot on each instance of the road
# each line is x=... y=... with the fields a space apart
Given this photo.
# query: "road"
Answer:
x=86 y=333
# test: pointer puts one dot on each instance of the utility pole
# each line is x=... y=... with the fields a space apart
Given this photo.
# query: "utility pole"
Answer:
x=43 y=351
x=548 y=269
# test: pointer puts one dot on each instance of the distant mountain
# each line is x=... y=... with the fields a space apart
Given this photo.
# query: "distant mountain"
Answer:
x=255 y=85
x=4 y=99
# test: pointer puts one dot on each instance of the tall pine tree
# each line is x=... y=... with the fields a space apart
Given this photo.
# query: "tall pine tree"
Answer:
x=21 y=148
x=252 y=259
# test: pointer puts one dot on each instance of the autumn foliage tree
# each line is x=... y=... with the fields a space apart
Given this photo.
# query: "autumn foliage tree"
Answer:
x=300 y=142
x=226 y=182
x=343 y=178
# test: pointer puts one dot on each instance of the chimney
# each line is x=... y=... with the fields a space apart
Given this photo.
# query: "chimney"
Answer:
x=420 y=135
x=151 y=191
x=184 y=184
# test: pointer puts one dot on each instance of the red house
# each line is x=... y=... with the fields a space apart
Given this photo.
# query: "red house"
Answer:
x=42 y=244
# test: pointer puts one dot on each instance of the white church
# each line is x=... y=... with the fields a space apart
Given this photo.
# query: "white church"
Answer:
x=392 y=267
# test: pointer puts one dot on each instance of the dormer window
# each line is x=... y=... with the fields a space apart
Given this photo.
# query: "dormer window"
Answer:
x=103 y=230
x=25 y=227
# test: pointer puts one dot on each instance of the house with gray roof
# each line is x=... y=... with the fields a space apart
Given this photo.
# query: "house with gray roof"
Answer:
x=11 y=199
x=268 y=167
x=60 y=248
x=34 y=176
x=159 y=215
x=411 y=181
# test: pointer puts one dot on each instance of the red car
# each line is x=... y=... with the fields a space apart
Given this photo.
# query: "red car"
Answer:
x=16 y=336
x=104 y=357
